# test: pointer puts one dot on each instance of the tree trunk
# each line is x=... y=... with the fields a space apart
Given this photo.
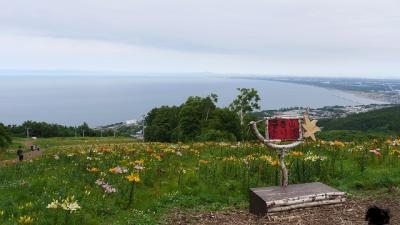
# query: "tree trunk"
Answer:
x=253 y=128
x=241 y=117
x=306 y=198
x=284 y=171
x=307 y=204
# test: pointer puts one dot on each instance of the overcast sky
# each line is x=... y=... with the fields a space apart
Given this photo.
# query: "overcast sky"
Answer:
x=272 y=37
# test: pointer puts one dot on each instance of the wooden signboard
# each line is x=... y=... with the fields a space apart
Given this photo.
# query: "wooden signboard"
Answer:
x=283 y=129
x=291 y=131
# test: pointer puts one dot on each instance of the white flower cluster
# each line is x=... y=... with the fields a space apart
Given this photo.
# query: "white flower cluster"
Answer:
x=138 y=167
x=68 y=204
x=313 y=158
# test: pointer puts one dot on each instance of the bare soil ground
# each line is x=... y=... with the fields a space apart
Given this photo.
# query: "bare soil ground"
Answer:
x=351 y=212
x=28 y=155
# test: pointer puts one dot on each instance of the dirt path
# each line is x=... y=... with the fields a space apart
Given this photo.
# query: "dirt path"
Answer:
x=28 y=155
x=352 y=212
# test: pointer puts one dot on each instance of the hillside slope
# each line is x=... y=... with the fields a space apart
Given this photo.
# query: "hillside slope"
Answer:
x=387 y=119
x=381 y=123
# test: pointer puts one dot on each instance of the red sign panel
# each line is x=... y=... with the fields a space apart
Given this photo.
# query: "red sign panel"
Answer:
x=283 y=129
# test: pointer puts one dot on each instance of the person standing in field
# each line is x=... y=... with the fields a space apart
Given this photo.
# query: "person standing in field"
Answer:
x=20 y=153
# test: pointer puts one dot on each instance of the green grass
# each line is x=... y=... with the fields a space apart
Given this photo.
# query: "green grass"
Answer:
x=50 y=143
x=201 y=176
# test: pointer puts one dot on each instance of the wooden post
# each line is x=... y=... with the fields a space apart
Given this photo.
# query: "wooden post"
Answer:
x=281 y=152
x=284 y=170
x=253 y=126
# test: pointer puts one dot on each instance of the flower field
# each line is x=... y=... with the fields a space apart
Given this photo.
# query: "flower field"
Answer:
x=114 y=181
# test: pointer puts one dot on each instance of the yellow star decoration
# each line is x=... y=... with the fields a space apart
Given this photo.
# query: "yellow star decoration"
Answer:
x=310 y=127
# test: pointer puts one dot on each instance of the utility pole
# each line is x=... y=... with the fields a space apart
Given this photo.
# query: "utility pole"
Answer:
x=101 y=133
x=143 y=130
x=75 y=131
x=143 y=120
x=27 y=132
x=83 y=133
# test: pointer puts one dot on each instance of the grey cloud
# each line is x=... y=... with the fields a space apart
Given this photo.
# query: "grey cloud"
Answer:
x=287 y=31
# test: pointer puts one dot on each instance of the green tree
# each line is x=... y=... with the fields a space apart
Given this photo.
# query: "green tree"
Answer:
x=5 y=139
x=225 y=121
x=40 y=129
x=197 y=119
x=84 y=130
x=210 y=103
x=194 y=114
x=160 y=123
x=183 y=123
x=245 y=102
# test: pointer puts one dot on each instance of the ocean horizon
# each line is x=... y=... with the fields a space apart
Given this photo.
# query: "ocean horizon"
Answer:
x=100 y=100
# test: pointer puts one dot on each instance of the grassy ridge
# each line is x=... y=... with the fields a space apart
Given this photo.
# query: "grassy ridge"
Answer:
x=383 y=120
x=378 y=124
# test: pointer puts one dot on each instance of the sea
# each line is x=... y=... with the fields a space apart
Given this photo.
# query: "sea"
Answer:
x=102 y=100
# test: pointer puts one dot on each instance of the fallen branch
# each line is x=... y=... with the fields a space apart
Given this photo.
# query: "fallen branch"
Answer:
x=308 y=204
x=305 y=199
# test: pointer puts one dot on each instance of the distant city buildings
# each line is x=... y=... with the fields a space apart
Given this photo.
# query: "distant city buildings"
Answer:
x=327 y=111
x=385 y=90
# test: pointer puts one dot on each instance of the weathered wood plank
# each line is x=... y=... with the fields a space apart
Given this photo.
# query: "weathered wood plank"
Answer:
x=277 y=198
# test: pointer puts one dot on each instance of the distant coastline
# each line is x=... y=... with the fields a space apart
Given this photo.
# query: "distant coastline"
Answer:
x=372 y=96
x=383 y=91
x=106 y=100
